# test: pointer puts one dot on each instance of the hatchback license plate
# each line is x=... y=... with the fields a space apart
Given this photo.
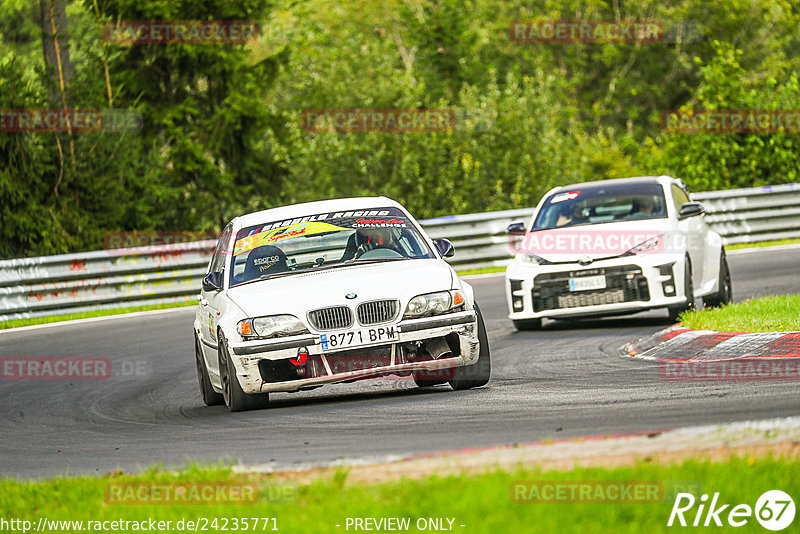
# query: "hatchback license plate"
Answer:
x=587 y=282
x=355 y=338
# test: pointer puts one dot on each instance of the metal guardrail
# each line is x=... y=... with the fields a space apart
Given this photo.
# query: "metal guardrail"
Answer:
x=754 y=214
x=71 y=283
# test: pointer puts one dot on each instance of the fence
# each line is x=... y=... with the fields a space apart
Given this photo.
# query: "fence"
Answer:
x=71 y=283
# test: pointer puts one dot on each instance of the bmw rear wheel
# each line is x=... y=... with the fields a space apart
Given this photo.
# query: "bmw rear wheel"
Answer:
x=210 y=397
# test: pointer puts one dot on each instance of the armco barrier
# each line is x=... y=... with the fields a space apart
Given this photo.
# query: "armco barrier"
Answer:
x=33 y=287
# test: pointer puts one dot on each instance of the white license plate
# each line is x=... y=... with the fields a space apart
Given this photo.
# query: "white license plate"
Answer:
x=587 y=282
x=363 y=336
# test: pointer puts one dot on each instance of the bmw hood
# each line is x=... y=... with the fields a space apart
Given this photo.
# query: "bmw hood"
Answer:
x=297 y=294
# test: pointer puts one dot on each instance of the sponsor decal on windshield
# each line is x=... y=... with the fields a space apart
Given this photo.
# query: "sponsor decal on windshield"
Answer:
x=561 y=197
x=379 y=223
x=271 y=237
x=321 y=223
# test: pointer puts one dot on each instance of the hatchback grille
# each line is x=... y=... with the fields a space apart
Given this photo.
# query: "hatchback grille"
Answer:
x=623 y=284
x=377 y=311
x=331 y=318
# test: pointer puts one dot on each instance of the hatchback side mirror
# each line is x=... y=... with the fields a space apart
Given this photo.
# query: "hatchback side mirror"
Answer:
x=516 y=228
x=212 y=281
x=445 y=248
x=691 y=209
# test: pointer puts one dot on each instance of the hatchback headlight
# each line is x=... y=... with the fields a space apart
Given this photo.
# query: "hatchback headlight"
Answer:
x=271 y=326
x=434 y=304
x=532 y=259
x=651 y=245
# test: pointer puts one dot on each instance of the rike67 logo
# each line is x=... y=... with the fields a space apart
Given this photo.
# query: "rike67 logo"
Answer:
x=774 y=510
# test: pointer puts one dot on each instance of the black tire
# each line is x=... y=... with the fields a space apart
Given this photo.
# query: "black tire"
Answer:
x=527 y=324
x=235 y=399
x=688 y=305
x=724 y=294
x=477 y=374
x=210 y=397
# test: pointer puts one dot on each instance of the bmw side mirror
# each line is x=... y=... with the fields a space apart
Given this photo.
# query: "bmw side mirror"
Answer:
x=445 y=248
x=212 y=281
x=516 y=228
x=691 y=209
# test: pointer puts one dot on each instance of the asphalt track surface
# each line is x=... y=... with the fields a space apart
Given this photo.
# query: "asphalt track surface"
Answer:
x=566 y=380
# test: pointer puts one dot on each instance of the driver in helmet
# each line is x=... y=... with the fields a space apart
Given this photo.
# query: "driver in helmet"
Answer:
x=371 y=238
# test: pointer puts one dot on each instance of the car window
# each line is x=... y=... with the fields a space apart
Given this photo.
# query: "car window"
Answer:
x=325 y=240
x=218 y=261
x=602 y=204
x=679 y=197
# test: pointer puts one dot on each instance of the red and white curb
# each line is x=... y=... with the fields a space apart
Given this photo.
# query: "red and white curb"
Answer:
x=678 y=344
x=619 y=449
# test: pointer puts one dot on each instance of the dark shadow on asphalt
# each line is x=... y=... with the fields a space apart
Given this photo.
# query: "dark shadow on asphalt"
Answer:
x=607 y=323
x=200 y=411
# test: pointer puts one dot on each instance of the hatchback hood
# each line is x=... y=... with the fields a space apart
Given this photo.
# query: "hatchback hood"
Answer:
x=297 y=294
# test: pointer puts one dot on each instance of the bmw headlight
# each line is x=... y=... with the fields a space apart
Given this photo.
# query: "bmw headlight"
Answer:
x=651 y=245
x=434 y=304
x=271 y=326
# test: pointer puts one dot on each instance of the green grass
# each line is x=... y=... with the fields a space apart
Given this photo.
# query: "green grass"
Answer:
x=483 y=270
x=16 y=323
x=480 y=502
x=767 y=314
x=763 y=244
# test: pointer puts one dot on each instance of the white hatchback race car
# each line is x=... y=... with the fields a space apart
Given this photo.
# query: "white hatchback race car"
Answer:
x=333 y=291
x=614 y=247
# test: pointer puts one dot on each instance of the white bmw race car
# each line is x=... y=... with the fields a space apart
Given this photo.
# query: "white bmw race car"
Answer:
x=333 y=291
x=614 y=247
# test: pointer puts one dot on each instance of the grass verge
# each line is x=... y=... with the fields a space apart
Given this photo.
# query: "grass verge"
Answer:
x=483 y=270
x=767 y=314
x=481 y=503
x=16 y=323
x=757 y=244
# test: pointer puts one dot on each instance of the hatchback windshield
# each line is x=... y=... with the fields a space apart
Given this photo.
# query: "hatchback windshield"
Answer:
x=594 y=205
x=324 y=240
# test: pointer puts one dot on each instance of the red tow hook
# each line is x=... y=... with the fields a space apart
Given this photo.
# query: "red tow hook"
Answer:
x=302 y=356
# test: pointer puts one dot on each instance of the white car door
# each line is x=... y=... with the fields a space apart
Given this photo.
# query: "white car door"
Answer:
x=696 y=234
x=211 y=303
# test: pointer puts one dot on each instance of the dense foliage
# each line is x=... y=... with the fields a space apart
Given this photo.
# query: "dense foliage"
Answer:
x=220 y=125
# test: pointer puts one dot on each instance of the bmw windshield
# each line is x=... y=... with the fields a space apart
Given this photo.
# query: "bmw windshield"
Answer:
x=324 y=240
x=595 y=205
